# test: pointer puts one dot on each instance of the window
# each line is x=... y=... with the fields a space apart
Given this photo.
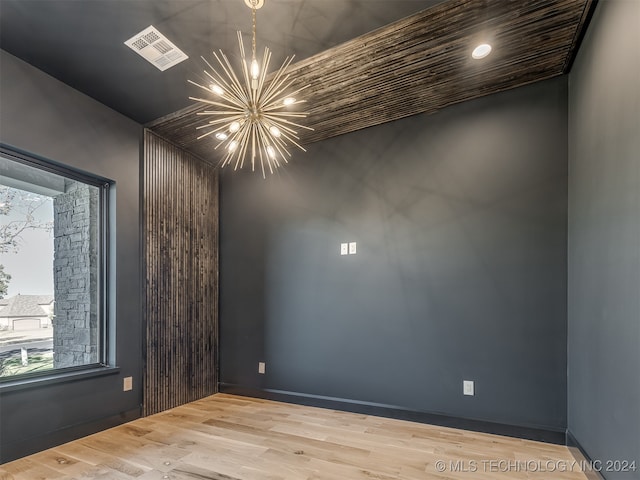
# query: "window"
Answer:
x=52 y=267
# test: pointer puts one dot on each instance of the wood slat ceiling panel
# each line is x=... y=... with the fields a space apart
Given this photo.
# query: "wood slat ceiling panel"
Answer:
x=421 y=64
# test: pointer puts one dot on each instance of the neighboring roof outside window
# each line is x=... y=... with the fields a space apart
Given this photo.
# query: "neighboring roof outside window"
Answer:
x=25 y=306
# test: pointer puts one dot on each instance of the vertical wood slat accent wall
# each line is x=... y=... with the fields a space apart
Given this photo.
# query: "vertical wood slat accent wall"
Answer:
x=180 y=234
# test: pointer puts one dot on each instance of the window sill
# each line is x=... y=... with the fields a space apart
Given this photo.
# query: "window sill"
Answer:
x=56 y=378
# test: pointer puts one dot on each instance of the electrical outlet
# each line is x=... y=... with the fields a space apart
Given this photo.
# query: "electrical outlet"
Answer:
x=352 y=248
x=344 y=249
x=127 y=384
x=467 y=387
x=262 y=367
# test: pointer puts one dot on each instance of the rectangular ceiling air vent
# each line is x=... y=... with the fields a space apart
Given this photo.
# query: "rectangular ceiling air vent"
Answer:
x=155 y=48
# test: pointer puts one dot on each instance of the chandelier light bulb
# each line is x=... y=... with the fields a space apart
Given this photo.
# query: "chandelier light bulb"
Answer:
x=289 y=101
x=234 y=127
x=275 y=131
x=217 y=89
x=233 y=146
x=221 y=136
x=271 y=152
x=255 y=69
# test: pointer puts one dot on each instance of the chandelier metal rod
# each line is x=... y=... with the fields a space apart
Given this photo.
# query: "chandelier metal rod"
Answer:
x=275 y=82
x=231 y=87
x=231 y=73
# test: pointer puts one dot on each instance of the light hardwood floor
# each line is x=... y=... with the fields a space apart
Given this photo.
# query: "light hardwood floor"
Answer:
x=226 y=437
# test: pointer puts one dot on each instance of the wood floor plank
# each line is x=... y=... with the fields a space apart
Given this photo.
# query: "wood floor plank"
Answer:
x=29 y=469
x=225 y=437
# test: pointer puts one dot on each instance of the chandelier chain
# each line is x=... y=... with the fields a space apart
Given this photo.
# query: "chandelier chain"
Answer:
x=253 y=30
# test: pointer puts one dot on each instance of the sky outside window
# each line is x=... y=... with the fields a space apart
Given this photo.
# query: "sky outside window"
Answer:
x=30 y=262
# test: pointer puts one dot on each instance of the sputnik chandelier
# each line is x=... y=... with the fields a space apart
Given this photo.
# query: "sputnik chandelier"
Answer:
x=253 y=116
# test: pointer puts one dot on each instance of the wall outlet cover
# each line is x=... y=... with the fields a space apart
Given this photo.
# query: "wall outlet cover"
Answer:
x=127 y=384
x=344 y=249
x=352 y=248
x=262 y=367
x=468 y=387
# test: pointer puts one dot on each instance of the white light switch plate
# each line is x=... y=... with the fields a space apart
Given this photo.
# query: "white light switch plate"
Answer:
x=262 y=367
x=467 y=387
x=344 y=249
x=352 y=248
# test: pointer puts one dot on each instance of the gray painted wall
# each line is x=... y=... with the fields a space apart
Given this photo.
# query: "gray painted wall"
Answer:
x=604 y=237
x=47 y=118
x=461 y=224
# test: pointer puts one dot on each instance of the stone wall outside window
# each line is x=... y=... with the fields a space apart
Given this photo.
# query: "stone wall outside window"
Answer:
x=75 y=322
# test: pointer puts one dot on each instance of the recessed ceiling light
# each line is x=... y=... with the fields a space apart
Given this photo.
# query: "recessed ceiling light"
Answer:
x=481 y=51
